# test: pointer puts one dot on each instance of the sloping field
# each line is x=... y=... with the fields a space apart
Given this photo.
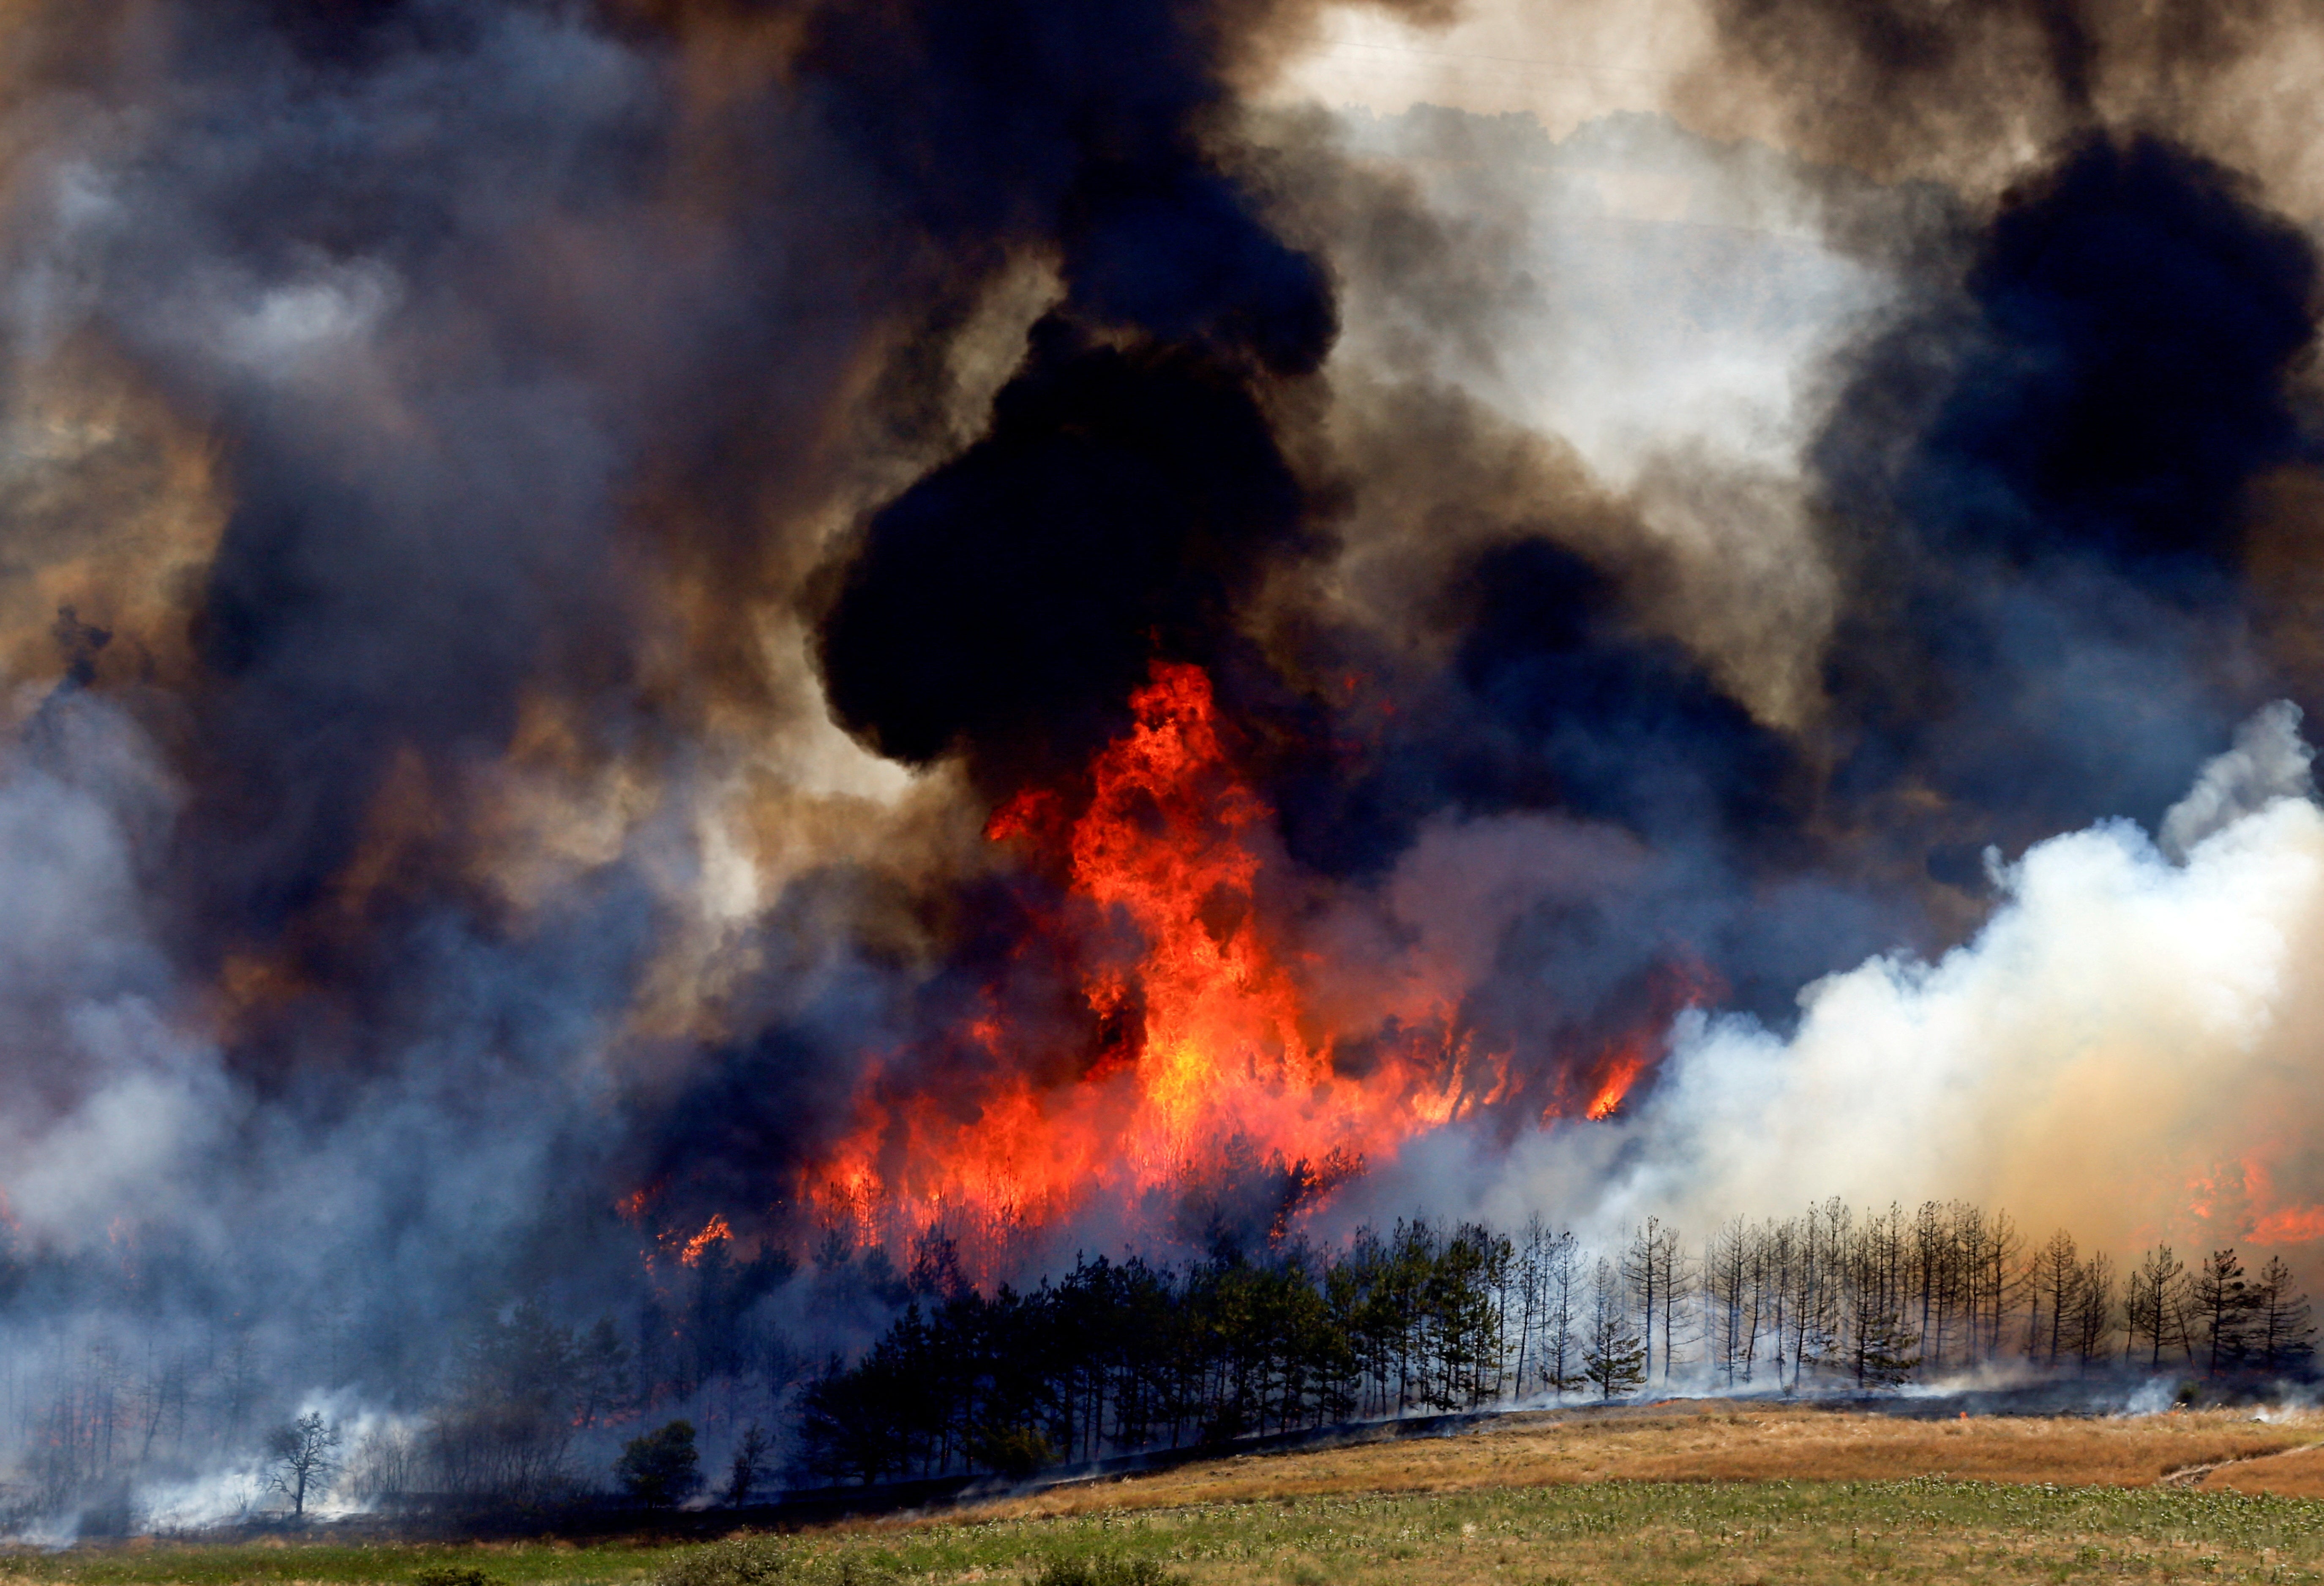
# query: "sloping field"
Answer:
x=1699 y=1492
x=1611 y=1533
x=1718 y=1441
x=1715 y=1493
x=2297 y=1474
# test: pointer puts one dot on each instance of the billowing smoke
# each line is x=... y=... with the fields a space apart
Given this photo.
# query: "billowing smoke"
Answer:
x=2117 y=1051
x=677 y=667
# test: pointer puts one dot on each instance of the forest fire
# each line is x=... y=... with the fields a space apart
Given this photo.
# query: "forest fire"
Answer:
x=1622 y=1073
x=2257 y=1212
x=1214 y=1056
x=714 y=1232
x=659 y=648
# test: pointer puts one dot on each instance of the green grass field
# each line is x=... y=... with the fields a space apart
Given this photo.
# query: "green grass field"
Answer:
x=419 y=1564
x=1616 y=1532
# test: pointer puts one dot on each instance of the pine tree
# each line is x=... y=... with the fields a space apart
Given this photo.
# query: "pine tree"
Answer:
x=2056 y=1273
x=1561 y=1333
x=1725 y=1264
x=661 y=1468
x=2222 y=1307
x=1678 y=1280
x=2155 y=1305
x=2283 y=1332
x=1613 y=1355
x=1532 y=1264
x=1642 y=1268
x=1887 y=1349
x=2092 y=1320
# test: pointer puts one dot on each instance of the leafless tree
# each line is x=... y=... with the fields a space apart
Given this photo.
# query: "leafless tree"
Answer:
x=2154 y=1306
x=301 y=1458
x=2282 y=1333
x=2056 y=1278
x=1726 y=1299
x=2092 y=1320
x=2223 y=1307
x=1560 y=1370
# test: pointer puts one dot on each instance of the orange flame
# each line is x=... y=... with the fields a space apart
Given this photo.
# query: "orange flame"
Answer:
x=2265 y=1222
x=632 y=1207
x=1623 y=1073
x=714 y=1232
x=1224 y=1054
x=2288 y=1225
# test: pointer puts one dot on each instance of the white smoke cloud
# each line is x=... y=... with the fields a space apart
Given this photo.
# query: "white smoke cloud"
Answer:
x=162 y=1104
x=1655 y=291
x=112 y=1094
x=2129 y=1049
x=2270 y=760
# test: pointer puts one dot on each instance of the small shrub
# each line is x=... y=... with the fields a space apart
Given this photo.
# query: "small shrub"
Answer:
x=450 y=1575
x=766 y=1561
x=738 y=1562
x=1105 y=1570
x=661 y=1468
x=1014 y=1452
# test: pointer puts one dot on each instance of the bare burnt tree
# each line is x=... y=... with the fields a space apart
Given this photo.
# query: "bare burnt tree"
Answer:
x=1642 y=1268
x=1679 y=1278
x=2155 y=1304
x=1560 y=1370
x=1531 y=1276
x=302 y=1458
x=2055 y=1279
x=1935 y=1277
x=2092 y=1320
x=2000 y=1280
x=2282 y=1331
x=1763 y=1302
x=1817 y=1314
x=2223 y=1305
x=1726 y=1297
x=1969 y=1231
x=1881 y=1342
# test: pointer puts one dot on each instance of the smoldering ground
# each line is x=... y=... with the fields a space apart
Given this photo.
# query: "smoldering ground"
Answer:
x=540 y=535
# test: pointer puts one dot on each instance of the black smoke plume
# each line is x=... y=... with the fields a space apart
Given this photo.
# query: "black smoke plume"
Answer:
x=2055 y=624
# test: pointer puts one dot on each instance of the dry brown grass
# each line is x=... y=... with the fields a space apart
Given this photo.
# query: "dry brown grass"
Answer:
x=1703 y=1494
x=1714 y=1441
x=2297 y=1474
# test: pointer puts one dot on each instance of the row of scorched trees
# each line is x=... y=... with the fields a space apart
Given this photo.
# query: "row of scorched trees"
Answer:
x=1119 y=1357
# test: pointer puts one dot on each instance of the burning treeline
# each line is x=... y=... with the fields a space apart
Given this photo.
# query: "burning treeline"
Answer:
x=1117 y=1358
x=666 y=650
x=1209 y=1057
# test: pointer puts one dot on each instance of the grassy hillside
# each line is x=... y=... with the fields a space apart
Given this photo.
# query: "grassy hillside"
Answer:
x=1721 y=1441
x=1614 y=1533
x=1710 y=1493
